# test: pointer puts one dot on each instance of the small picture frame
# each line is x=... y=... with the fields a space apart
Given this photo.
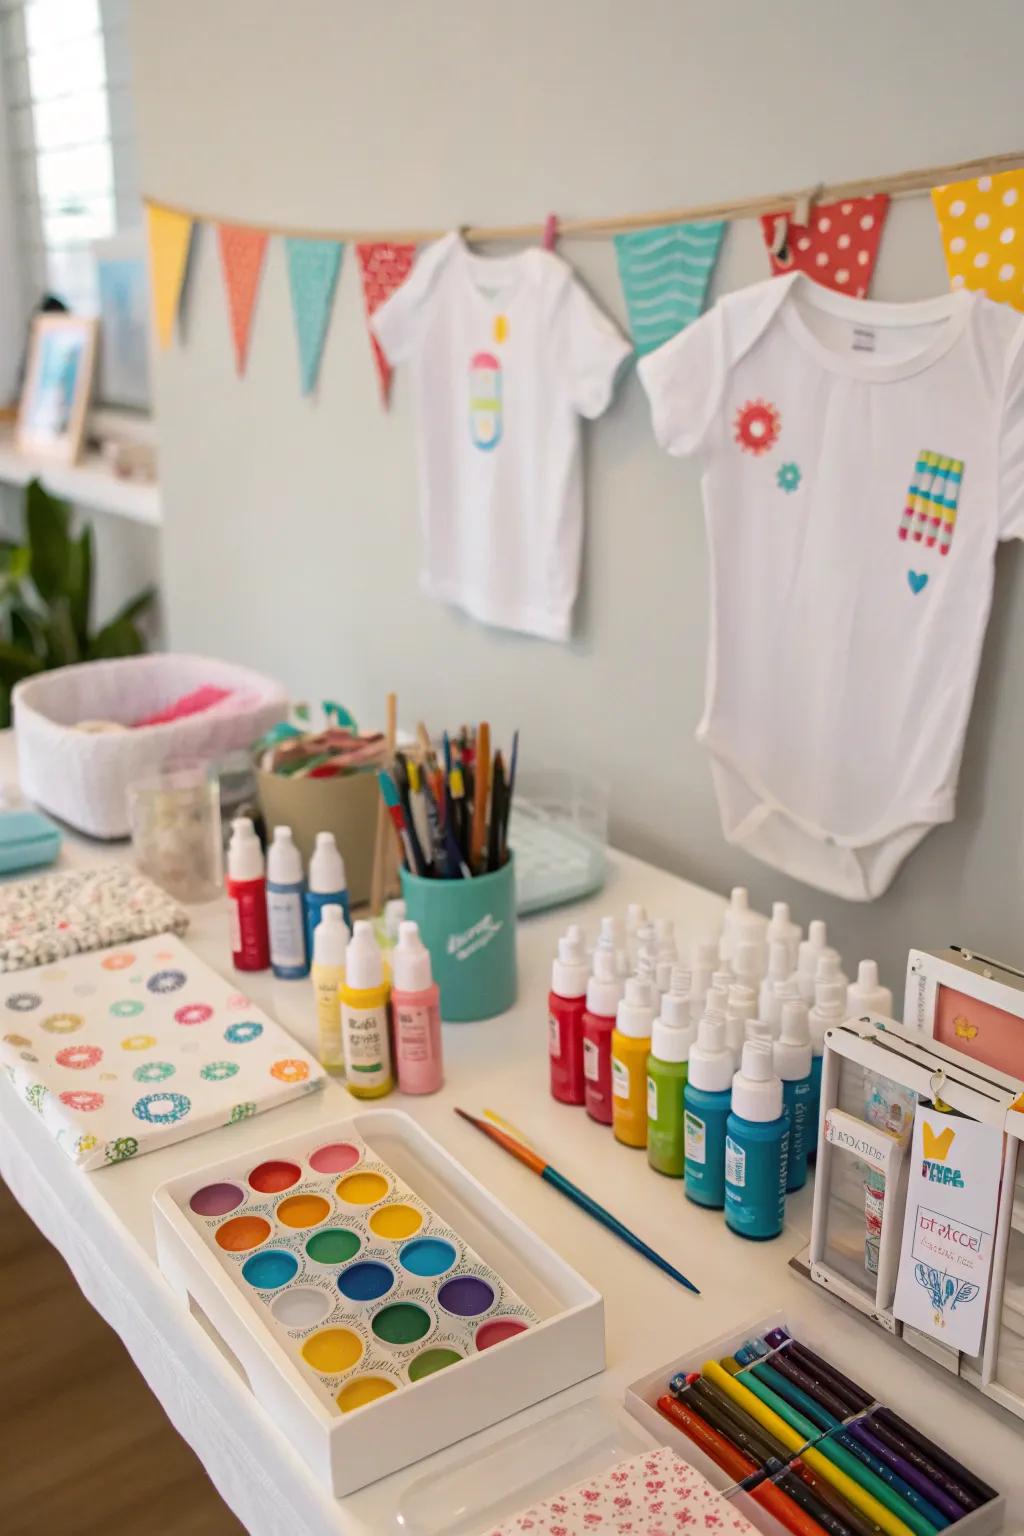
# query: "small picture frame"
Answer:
x=970 y=1003
x=58 y=382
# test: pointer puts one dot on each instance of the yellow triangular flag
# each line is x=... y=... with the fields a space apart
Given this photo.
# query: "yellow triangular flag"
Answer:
x=981 y=222
x=169 y=237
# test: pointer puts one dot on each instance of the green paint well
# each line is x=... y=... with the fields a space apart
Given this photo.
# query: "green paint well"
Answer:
x=335 y=1246
x=401 y=1323
x=432 y=1360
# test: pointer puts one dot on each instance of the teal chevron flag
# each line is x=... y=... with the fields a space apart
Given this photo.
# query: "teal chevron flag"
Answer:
x=313 y=267
x=664 y=274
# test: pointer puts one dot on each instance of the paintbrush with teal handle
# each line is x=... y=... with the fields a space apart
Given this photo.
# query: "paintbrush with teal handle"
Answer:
x=550 y=1175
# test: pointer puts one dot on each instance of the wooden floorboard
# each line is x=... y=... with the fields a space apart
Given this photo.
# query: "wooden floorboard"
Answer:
x=85 y=1448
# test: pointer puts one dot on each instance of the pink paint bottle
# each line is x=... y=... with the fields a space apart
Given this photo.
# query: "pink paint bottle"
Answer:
x=416 y=1002
x=604 y=989
x=566 y=1003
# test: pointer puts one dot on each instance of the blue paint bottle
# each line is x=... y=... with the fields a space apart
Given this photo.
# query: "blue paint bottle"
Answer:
x=286 y=918
x=706 y=1103
x=829 y=1011
x=327 y=885
x=791 y=1057
x=756 y=1147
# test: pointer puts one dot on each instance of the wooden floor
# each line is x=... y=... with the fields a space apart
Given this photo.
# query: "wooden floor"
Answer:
x=84 y=1445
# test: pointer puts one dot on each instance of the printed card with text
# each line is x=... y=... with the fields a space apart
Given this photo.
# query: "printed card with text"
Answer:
x=949 y=1228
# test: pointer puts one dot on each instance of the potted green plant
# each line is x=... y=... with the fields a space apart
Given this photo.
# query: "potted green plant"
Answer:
x=46 y=587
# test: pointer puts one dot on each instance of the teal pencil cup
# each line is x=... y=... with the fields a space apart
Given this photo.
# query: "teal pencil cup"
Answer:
x=469 y=927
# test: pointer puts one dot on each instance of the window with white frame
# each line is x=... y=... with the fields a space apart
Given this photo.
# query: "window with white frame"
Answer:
x=67 y=95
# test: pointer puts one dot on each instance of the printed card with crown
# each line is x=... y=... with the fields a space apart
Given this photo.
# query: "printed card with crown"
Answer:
x=949 y=1228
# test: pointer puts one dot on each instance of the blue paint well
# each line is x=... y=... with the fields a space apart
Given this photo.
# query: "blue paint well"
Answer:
x=267 y=1271
x=427 y=1256
x=365 y=1281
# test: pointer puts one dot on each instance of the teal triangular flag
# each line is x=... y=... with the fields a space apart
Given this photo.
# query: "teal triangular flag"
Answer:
x=313 y=267
x=665 y=274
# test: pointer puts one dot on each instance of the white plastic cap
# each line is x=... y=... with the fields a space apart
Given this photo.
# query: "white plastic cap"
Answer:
x=664 y=934
x=829 y=1009
x=245 y=856
x=741 y=1006
x=749 y=958
x=635 y=1014
x=705 y=954
x=831 y=995
x=756 y=1091
x=717 y=1003
x=284 y=861
x=780 y=965
x=647 y=963
x=866 y=994
x=757 y=1029
x=783 y=930
x=604 y=989
x=792 y=1052
x=675 y=1000
x=330 y=937
x=810 y=948
x=636 y=916
x=364 y=967
x=570 y=972
x=723 y=979
x=711 y=1061
x=740 y=922
x=829 y=967
x=326 y=867
x=394 y=917
x=410 y=961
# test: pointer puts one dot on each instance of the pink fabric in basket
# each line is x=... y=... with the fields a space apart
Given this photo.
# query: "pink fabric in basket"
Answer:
x=189 y=704
x=655 y=1494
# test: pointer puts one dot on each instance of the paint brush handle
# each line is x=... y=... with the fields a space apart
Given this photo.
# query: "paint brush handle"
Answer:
x=578 y=1197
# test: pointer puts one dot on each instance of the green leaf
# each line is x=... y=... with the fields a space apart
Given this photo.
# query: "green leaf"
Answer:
x=48 y=521
x=118 y=638
x=80 y=586
x=136 y=607
x=27 y=630
x=16 y=663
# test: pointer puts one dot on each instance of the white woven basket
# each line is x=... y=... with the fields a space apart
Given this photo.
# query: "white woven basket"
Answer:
x=83 y=777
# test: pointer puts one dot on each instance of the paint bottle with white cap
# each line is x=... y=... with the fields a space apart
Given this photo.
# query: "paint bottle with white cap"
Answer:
x=707 y=1100
x=780 y=969
x=866 y=994
x=782 y=930
x=829 y=1009
x=756 y=1147
x=740 y=1008
x=672 y=1036
x=792 y=1057
x=567 y=1002
x=740 y=923
x=604 y=989
x=703 y=964
x=811 y=949
x=830 y=968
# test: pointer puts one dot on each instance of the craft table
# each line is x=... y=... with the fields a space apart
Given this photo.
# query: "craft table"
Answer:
x=102 y=1223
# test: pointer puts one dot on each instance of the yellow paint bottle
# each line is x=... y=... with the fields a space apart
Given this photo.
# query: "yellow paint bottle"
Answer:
x=365 y=1039
x=631 y=1045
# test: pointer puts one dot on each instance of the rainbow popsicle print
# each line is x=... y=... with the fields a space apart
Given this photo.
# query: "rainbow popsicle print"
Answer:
x=952 y=501
x=933 y=497
x=924 y=473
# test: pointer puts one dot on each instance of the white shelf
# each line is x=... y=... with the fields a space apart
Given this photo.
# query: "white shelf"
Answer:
x=89 y=483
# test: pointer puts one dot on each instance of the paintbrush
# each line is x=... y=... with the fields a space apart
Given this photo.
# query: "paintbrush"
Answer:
x=550 y=1175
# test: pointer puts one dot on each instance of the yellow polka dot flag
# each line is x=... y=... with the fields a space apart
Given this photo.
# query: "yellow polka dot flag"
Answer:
x=982 y=228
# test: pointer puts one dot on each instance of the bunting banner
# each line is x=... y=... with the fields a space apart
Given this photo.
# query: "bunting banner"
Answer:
x=982 y=227
x=665 y=273
x=313 y=267
x=170 y=235
x=241 y=254
x=383 y=268
x=838 y=246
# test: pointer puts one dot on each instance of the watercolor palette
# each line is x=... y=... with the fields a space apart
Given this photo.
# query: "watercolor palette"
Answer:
x=359 y=1273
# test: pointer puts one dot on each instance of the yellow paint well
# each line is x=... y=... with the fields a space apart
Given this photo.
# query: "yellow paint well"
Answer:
x=303 y=1210
x=396 y=1221
x=365 y=1389
x=332 y=1351
x=362 y=1188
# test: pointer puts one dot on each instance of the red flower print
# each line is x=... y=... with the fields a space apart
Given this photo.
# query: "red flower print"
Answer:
x=558 y=1509
x=757 y=426
x=656 y=1508
x=623 y=1501
x=683 y=1517
x=592 y=1518
x=619 y=1477
x=559 y=1530
x=711 y=1520
x=590 y=1494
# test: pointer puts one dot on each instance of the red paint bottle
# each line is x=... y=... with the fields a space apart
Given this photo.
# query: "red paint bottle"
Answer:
x=247 y=892
x=604 y=990
x=566 y=1002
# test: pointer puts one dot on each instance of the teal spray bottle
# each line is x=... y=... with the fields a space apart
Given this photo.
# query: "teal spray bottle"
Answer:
x=756 y=1147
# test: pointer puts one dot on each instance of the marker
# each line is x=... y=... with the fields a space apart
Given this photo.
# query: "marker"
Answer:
x=783 y=1363
x=481 y=790
x=940 y=1500
x=812 y=1363
x=928 y=1511
x=828 y=1495
x=969 y=1481
x=794 y=1395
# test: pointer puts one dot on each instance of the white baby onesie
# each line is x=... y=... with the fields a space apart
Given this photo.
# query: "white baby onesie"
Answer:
x=506 y=353
x=861 y=460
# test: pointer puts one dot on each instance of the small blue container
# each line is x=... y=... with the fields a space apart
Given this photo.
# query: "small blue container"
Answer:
x=706 y=1104
x=814 y=1109
x=286 y=916
x=756 y=1148
x=796 y=1096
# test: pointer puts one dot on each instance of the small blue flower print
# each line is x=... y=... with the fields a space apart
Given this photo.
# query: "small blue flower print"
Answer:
x=788 y=478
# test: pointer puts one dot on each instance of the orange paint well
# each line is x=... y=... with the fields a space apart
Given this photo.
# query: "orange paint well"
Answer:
x=303 y=1210
x=242 y=1233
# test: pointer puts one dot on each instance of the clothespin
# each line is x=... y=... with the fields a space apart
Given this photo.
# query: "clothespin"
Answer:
x=803 y=204
x=936 y=1083
x=780 y=237
x=550 y=231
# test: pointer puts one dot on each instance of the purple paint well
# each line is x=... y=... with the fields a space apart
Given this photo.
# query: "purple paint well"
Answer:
x=216 y=1199
x=466 y=1296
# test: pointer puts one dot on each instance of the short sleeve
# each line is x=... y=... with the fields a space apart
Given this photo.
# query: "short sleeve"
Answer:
x=1011 y=447
x=400 y=321
x=684 y=380
x=591 y=348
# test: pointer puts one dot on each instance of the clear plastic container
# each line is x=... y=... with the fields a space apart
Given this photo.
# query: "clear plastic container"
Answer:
x=559 y=830
x=174 y=815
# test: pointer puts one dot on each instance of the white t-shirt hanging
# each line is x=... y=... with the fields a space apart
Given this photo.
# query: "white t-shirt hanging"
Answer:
x=506 y=353
x=861 y=461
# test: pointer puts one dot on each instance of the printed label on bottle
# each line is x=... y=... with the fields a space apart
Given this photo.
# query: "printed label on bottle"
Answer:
x=236 y=925
x=364 y=1035
x=412 y=1034
x=328 y=1014
x=652 y=1098
x=591 y=1061
x=735 y=1163
x=554 y=1037
x=287 y=932
x=620 y=1079
x=696 y=1139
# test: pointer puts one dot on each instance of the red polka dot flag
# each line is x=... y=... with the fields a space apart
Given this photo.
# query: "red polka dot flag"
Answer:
x=837 y=247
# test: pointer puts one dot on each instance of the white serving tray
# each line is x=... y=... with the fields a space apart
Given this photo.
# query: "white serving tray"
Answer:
x=347 y=1451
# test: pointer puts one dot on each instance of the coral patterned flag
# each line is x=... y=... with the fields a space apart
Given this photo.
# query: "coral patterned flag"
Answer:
x=383 y=267
x=838 y=246
x=242 y=251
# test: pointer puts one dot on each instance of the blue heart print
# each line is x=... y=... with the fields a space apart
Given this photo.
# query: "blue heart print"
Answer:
x=918 y=581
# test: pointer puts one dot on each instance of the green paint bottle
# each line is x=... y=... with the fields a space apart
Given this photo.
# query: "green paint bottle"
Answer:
x=671 y=1037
